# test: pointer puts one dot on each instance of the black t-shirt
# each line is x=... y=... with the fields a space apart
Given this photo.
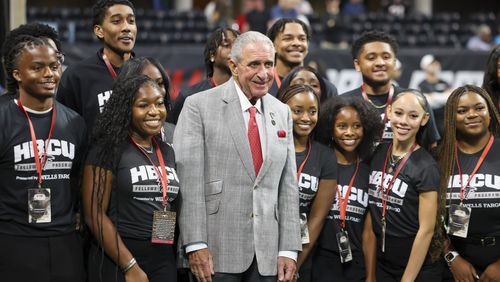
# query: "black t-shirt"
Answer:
x=420 y=174
x=355 y=211
x=18 y=171
x=439 y=86
x=85 y=87
x=203 y=85
x=136 y=193
x=321 y=164
x=432 y=133
x=483 y=194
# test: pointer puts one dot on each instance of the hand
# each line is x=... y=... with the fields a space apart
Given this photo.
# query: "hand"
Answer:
x=462 y=270
x=136 y=274
x=202 y=267
x=491 y=273
x=286 y=269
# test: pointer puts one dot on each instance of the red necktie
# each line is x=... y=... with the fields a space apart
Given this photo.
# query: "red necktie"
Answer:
x=254 y=140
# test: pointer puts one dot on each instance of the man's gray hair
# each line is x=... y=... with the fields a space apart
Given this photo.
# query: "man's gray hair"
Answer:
x=249 y=37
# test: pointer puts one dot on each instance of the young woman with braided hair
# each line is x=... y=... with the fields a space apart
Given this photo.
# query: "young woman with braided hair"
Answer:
x=470 y=181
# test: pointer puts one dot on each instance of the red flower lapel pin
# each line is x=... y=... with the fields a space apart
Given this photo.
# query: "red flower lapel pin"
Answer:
x=281 y=133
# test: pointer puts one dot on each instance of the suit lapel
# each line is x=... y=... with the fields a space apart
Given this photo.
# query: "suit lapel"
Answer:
x=268 y=116
x=233 y=117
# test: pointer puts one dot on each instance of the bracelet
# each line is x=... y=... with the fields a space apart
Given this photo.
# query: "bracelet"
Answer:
x=129 y=265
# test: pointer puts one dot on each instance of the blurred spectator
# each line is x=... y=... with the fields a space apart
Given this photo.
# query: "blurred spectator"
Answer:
x=255 y=16
x=396 y=74
x=303 y=7
x=434 y=88
x=334 y=35
x=284 y=9
x=219 y=13
x=496 y=40
x=397 y=8
x=354 y=7
x=481 y=41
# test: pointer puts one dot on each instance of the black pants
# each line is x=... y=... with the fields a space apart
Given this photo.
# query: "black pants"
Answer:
x=250 y=275
x=156 y=260
x=327 y=267
x=391 y=264
x=41 y=259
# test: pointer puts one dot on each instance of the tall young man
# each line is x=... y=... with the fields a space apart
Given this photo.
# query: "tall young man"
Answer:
x=291 y=41
x=40 y=144
x=86 y=86
x=374 y=55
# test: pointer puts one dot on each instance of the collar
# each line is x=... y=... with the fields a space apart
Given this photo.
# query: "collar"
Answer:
x=244 y=102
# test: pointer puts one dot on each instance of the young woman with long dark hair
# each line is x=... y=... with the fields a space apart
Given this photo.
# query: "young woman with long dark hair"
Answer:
x=130 y=186
x=469 y=159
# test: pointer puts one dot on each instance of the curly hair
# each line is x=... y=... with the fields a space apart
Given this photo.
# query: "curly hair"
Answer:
x=20 y=44
x=288 y=79
x=280 y=24
x=214 y=41
x=491 y=81
x=99 y=9
x=370 y=120
x=135 y=66
x=32 y=29
x=372 y=36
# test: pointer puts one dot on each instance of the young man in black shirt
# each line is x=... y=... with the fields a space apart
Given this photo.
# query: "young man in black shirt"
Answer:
x=86 y=86
x=12 y=39
x=40 y=145
x=374 y=56
x=291 y=42
x=216 y=54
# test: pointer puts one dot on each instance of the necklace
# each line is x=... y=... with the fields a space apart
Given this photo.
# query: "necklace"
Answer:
x=149 y=151
x=377 y=107
x=394 y=162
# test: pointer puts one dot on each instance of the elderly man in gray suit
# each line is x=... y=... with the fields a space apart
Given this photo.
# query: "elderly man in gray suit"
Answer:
x=239 y=218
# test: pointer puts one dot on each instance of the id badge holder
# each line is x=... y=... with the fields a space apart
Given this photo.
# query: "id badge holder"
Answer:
x=344 y=246
x=163 y=227
x=39 y=205
x=458 y=220
x=304 y=231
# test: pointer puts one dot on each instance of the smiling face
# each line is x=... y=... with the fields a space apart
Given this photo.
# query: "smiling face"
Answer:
x=118 y=29
x=37 y=72
x=304 y=107
x=347 y=130
x=376 y=63
x=154 y=73
x=306 y=77
x=148 y=114
x=472 y=116
x=254 y=71
x=407 y=116
x=291 y=45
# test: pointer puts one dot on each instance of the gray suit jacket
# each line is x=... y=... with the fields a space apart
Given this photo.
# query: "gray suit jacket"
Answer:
x=224 y=204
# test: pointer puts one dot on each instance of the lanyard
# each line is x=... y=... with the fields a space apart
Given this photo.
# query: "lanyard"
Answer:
x=396 y=173
x=163 y=175
x=343 y=202
x=277 y=78
x=212 y=81
x=479 y=163
x=39 y=163
x=301 y=167
x=109 y=66
x=387 y=104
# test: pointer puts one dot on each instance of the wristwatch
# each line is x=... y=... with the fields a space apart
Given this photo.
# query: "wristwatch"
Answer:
x=450 y=256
